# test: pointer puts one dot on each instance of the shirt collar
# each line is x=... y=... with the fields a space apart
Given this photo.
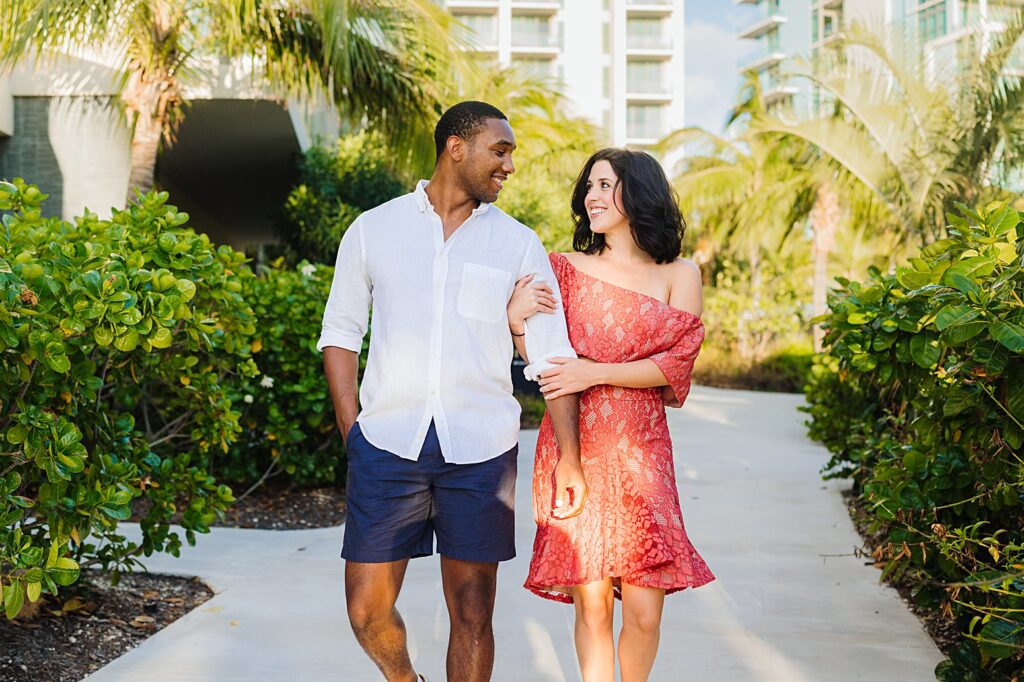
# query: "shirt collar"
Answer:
x=423 y=201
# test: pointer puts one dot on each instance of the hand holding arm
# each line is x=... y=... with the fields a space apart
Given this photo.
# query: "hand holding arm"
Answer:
x=527 y=299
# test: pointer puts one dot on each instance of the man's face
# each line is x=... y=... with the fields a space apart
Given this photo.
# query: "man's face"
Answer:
x=488 y=161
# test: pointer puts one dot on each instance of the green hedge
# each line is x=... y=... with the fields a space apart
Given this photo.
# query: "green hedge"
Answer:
x=287 y=415
x=920 y=398
x=117 y=341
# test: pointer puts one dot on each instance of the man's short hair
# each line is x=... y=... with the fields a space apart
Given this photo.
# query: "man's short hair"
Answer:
x=464 y=119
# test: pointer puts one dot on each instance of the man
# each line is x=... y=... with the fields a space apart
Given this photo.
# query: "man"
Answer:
x=433 y=450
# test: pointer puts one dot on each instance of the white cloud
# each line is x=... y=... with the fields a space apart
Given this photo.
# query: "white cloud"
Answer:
x=712 y=52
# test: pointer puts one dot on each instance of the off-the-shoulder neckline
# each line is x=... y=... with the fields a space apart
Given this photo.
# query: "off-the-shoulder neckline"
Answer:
x=680 y=311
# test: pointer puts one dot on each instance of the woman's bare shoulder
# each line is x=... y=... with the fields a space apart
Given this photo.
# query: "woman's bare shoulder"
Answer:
x=686 y=283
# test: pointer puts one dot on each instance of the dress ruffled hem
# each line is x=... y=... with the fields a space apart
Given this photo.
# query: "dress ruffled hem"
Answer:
x=560 y=592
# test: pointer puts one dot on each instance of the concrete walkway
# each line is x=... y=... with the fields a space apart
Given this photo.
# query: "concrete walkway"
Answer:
x=791 y=603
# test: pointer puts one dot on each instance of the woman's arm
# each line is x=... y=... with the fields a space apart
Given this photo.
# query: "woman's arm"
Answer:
x=575 y=375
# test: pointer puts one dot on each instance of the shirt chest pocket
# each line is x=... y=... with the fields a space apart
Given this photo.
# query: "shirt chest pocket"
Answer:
x=483 y=293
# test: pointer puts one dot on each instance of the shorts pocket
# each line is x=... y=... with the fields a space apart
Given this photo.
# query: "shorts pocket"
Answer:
x=483 y=293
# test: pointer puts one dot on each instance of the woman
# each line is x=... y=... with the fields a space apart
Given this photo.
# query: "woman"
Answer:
x=633 y=311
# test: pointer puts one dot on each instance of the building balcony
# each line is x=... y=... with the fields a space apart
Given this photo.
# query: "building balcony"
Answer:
x=642 y=42
x=536 y=6
x=778 y=94
x=642 y=96
x=766 y=25
x=762 y=58
x=535 y=45
x=471 y=4
x=649 y=7
x=832 y=37
x=831 y=4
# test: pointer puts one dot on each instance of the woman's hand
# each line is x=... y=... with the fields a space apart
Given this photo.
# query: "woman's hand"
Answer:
x=528 y=299
x=570 y=375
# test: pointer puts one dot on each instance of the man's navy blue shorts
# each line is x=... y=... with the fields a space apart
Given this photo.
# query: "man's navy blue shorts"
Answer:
x=396 y=505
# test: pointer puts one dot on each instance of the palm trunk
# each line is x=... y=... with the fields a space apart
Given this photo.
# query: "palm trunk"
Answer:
x=824 y=222
x=145 y=146
x=153 y=98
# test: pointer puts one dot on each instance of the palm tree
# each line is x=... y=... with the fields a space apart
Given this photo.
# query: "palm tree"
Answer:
x=761 y=188
x=916 y=145
x=383 y=63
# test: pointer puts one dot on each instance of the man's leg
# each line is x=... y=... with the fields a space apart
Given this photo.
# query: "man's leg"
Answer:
x=371 y=591
x=469 y=588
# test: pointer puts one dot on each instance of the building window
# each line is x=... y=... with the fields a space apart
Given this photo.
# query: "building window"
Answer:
x=645 y=121
x=531 y=31
x=484 y=27
x=646 y=33
x=931 y=19
x=645 y=77
x=535 y=68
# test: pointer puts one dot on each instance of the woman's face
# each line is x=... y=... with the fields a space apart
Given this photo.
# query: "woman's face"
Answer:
x=604 y=199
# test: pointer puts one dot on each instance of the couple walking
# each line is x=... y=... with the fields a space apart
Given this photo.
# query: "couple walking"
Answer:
x=610 y=331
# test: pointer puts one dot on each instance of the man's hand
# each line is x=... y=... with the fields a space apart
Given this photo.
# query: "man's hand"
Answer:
x=570 y=488
x=344 y=427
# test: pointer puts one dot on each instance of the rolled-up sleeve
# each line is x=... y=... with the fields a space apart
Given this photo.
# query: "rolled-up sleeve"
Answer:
x=346 y=315
x=546 y=335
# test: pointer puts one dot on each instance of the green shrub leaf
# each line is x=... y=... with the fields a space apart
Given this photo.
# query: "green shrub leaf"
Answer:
x=1009 y=334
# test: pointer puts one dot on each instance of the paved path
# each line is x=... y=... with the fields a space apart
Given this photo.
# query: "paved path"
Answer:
x=791 y=604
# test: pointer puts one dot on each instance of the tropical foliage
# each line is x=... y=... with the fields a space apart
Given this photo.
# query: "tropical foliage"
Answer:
x=334 y=187
x=387 y=64
x=920 y=398
x=287 y=419
x=119 y=340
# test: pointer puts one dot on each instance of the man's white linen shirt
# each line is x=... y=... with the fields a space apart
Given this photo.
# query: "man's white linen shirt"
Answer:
x=440 y=346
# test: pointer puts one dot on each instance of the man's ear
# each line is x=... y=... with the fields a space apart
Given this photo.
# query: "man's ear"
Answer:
x=456 y=147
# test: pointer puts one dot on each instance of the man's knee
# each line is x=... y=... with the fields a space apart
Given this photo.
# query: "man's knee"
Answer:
x=364 y=611
x=471 y=598
x=370 y=595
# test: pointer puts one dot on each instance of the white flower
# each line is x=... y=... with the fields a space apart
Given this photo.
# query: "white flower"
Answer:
x=247 y=399
x=267 y=382
x=307 y=270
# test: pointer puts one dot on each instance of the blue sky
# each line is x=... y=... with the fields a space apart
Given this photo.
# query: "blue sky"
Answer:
x=712 y=52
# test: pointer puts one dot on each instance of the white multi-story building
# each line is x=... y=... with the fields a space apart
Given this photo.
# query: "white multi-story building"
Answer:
x=618 y=62
x=778 y=30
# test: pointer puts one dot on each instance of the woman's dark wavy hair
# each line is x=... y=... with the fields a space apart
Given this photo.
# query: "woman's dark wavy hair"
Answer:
x=648 y=202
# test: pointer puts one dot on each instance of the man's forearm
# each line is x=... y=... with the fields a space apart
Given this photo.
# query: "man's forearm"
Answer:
x=565 y=418
x=342 y=369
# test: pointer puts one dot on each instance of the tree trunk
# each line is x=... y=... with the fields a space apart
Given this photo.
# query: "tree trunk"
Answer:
x=824 y=222
x=145 y=146
x=153 y=96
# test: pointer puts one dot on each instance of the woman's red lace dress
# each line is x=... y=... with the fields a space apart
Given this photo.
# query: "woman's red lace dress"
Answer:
x=631 y=528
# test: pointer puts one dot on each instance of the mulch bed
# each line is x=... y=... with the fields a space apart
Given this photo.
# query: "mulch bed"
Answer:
x=275 y=506
x=95 y=623
x=941 y=629
x=64 y=641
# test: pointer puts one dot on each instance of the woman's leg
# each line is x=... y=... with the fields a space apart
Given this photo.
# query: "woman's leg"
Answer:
x=641 y=630
x=595 y=643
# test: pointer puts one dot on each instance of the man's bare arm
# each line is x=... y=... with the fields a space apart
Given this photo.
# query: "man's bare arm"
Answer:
x=342 y=369
x=565 y=418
